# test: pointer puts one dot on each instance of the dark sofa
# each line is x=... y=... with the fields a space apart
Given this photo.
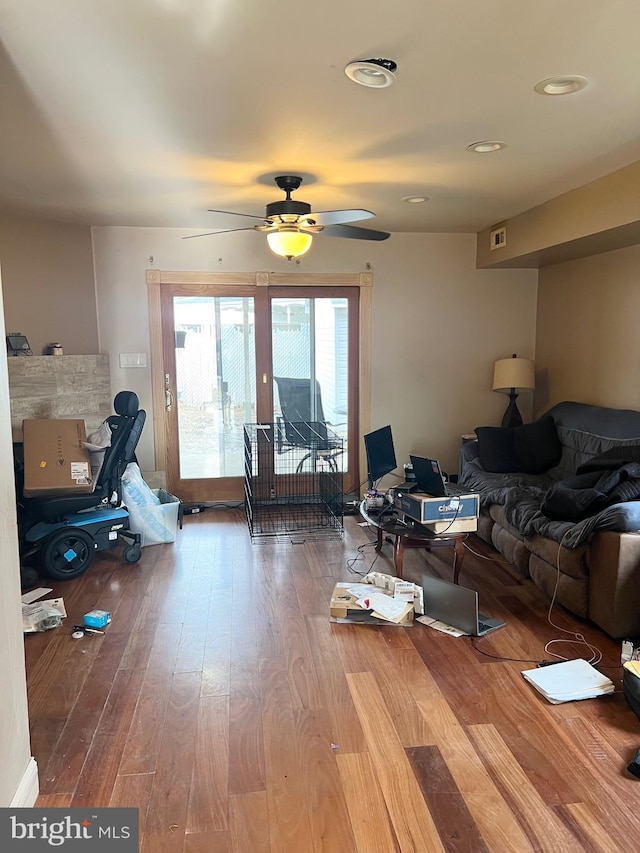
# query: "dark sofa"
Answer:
x=593 y=553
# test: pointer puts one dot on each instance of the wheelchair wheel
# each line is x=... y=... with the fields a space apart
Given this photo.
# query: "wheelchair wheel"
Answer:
x=132 y=553
x=68 y=553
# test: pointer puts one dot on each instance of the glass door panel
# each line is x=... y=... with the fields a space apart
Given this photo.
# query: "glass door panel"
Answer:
x=215 y=376
x=310 y=354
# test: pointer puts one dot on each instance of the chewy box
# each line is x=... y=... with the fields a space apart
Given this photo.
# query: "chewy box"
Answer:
x=156 y=523
x=425 y=508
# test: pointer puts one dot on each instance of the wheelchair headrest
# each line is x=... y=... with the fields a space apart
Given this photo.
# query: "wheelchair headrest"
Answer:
x=126 y=403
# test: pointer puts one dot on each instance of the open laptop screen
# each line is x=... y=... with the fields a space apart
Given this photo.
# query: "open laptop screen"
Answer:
x=428 y=476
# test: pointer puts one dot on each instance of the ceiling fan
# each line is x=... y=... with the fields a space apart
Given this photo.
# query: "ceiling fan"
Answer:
x=290 y=225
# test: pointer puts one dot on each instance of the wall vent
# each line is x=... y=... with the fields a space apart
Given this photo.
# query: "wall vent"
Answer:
x=498 y=238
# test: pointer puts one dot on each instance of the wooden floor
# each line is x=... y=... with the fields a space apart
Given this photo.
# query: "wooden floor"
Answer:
x=224 y=705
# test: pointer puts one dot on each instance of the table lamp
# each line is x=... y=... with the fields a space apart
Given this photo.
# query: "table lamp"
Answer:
x=512 y=376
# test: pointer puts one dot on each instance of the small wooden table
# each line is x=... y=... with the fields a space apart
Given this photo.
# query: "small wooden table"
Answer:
x=411 y=534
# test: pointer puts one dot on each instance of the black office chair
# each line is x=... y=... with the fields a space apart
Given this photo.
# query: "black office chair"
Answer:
x=302 y=423
x=67 y=530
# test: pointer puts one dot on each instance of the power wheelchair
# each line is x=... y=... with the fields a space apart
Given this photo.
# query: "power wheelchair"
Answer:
x=61 y=534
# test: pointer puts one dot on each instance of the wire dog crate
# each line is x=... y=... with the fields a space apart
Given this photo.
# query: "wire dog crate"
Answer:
x=293 y=480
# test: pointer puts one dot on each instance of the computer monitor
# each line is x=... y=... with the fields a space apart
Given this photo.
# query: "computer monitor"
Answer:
x=381 y=457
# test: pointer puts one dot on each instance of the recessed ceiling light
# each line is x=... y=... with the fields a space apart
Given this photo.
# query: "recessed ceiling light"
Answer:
x=487 y=146
x=561 y=85
x=414 y=199
x=374 y=73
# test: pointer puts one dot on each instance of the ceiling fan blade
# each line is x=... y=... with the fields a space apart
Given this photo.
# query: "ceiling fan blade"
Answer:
x=354 y=233
x=229 y=217
x=224 y=231
x=336 y=217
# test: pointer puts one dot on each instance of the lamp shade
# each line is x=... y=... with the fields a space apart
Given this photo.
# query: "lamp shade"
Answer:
x=288 y=242
x=513 y=373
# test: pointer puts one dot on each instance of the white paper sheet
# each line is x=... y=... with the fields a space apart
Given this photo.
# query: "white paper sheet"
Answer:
x=441 y=626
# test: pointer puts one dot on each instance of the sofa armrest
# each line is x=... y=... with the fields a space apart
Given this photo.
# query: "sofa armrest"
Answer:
x=614 y=583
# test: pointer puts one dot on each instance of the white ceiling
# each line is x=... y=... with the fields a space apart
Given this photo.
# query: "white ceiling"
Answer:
x=148 y=112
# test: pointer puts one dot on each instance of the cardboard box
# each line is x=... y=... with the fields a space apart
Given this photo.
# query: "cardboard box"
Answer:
x=343 y=608
x=55 y=459
x=427 y=509
x=460 y=525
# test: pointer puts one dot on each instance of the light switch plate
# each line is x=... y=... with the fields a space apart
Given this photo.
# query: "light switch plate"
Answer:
x=133 y=359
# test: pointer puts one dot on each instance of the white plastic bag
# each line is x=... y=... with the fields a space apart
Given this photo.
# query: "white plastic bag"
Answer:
x=135 y=492
x=155 y=522
x=97 y=444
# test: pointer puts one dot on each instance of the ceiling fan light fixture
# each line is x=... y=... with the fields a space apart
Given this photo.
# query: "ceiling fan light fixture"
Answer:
x=287 y=242
x=373 y=73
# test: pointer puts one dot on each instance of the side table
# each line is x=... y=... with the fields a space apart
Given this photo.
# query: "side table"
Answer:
x=408 y=534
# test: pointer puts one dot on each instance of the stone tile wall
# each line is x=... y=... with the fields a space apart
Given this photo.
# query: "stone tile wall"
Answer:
x=59 y=386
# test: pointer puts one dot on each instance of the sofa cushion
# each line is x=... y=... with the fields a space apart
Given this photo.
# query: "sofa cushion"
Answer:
x=529 y=448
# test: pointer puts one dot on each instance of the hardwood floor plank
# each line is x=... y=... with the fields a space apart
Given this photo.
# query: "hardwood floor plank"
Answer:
x=246 y=746
x=269 y=641
x=45 y=733
x=330 y=825
x=495 y=820
x=121 y=703
x=59 y=675
x=65 y=765
x=303 y=679
x=368 y=814
x=138 y=650
x=289 y=827
x=133 y=791
x=207 y=842
x=54 y=801
x=456 y=826
x=413 y=824
x=477 y=696
x=168 y=803
x=412 y=727
x=249 y=823
x=209 y=794
x=558 y=738
x=144 y=739
x=589 y=827
x=216 y=661
x=97 y=779
x=490 y=812
x=346 y=730
x=544 y=830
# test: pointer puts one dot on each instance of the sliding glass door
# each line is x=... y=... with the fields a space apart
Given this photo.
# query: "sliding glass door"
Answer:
x=228 y=352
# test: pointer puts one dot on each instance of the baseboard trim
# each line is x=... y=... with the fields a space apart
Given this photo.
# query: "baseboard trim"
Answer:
x=28 y=789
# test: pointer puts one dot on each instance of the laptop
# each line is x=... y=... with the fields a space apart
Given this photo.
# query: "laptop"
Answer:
x=430 y=478
x=456 y=606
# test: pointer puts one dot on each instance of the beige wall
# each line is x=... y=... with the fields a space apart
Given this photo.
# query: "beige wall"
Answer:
x=49 y=292
x=18 y=778
x=438 y=323
x=598 y=217
x=588 y=346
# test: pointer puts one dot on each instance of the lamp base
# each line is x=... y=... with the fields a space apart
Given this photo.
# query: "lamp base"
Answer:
x=512 y=417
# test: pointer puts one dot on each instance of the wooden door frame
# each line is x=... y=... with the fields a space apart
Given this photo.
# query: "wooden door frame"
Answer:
x=157 y=278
